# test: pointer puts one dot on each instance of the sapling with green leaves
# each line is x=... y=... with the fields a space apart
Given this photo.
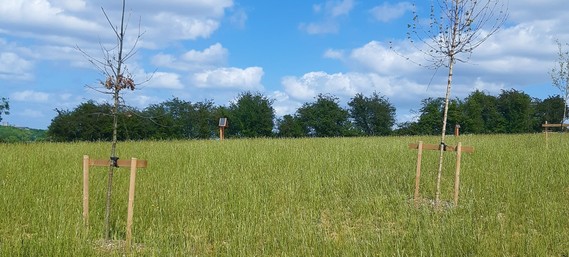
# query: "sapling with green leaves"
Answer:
x=560 y=77
x=451 y=33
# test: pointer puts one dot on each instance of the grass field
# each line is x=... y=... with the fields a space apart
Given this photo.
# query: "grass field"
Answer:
x=291 y=197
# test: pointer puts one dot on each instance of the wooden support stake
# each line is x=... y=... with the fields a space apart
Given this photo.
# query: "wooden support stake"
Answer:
x=130 y=211
x=418 y=176
x=457 y=175
x=546 y=128
x=221 y=130
x=86 y=190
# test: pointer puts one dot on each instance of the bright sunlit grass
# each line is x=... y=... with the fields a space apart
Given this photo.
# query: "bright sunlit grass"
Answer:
x=290 y=197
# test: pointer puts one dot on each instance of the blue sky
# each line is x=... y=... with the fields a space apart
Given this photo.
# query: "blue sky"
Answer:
x=288 y=50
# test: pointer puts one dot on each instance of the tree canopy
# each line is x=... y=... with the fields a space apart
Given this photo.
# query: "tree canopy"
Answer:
x=4 y=107
x=372 y=115
x=324 y=117
x=252 y=115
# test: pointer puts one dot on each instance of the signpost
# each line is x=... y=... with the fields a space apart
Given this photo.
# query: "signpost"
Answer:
x=223 y=123
x=456 y=130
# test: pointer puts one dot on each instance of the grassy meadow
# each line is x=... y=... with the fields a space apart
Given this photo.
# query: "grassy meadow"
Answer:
x=291 y=197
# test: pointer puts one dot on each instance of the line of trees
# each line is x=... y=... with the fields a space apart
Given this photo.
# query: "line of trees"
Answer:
x=512 y=111
x=252 y=115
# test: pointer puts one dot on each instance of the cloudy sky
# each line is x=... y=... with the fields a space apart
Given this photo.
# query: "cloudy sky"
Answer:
x=289 y=51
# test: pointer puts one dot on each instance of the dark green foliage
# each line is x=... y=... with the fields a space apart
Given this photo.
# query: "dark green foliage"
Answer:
x=516 y=109
x=251 y=115
x=324 y=118
x=431 y=115
x=511 y=112
x=550 y=110
x=179 y=119
x=4 y=107
x=481 y=114
x=373 y=115
x=290 y=126
x=88 y=122
x=204 y=121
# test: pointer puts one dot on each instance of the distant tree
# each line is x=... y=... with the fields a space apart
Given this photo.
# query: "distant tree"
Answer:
x=203 y=119
x=455 y=28
x=324 y=118
x=407 y=128
x=550 y=109
x=87 y=122
x=290 y=126
x=372 y=115
x=160 y=123
x=430 y=115
x=4 y=107
x=179 y=119
x=516 y=109
x=560 y=77
x=252 y=115
x=181 y=115
x=481 y=114
x=60 y=128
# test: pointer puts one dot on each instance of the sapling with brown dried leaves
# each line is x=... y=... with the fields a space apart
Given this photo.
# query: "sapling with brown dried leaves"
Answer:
x=117 y=78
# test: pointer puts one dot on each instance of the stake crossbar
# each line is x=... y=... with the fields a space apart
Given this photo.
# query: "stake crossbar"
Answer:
x=459 y=149
x=133 y=163
x=546 y=126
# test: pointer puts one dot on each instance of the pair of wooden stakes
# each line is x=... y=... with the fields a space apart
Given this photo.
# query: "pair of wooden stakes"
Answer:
x=546 y=126
x=459 y=149
x=133 y=164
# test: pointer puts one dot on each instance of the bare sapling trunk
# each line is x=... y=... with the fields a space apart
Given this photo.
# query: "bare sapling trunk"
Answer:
x=443 y=133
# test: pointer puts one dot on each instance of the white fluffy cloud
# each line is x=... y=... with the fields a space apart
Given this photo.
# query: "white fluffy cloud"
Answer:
x=30 y=96
x=165 y=80
x=245 y=79
x=180 y=27
x=213 y=56
x=331 y=10
x=387 y=12
x=346 y=85
x=13 y=66
x=66 y=23
x=38 y=18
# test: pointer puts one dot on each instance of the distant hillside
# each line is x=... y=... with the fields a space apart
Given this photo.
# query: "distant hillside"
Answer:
x=15 y=134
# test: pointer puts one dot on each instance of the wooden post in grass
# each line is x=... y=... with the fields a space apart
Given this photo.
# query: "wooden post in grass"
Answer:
x=456 y=130
x=222 y=125
x=458 y=149
x=130 y=211
x=457 y=172
x=133 y=164
x=546 y=127
x=86 y=190
x=418 y=174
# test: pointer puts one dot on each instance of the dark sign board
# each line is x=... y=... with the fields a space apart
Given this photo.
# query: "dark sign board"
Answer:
x=223 y=122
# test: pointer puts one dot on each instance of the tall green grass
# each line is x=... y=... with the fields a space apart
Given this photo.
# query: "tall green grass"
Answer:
x=290 y=197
